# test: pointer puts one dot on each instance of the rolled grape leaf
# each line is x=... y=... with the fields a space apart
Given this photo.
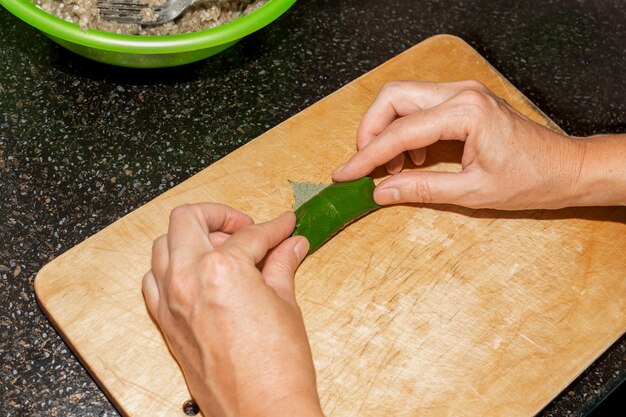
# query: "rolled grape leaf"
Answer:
x=332 y=209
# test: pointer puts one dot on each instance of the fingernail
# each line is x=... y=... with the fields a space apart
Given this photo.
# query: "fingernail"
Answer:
x=301 y=248
x=387 y=196
x=339 y=169
x=395 y=165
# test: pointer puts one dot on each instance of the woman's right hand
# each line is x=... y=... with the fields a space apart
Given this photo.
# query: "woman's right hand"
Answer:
x=509 y=162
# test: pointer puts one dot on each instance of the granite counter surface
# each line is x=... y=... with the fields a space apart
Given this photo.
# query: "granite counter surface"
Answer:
x=82 y=143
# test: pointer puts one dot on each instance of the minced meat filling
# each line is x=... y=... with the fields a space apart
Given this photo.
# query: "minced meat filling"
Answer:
x=204 y=14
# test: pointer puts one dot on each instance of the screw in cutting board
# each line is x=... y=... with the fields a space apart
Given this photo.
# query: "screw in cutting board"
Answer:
x=190 y=408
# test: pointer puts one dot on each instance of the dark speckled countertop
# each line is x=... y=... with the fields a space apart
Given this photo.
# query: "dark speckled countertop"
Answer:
x=82 y=143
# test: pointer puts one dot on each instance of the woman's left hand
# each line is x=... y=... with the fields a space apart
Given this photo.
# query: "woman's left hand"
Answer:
x=234 y=327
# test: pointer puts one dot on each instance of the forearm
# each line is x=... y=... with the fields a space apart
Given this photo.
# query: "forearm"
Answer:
x=601 y=179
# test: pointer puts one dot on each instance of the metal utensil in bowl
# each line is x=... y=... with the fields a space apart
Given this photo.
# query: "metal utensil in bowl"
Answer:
x=137 y=12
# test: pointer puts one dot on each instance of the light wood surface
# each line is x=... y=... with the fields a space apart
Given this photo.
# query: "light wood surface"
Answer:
x=433 y=311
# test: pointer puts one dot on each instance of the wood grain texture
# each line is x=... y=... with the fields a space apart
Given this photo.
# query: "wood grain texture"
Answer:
x=433 y=310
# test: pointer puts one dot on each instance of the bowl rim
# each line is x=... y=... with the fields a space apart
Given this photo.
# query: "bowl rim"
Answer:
x=56 y=27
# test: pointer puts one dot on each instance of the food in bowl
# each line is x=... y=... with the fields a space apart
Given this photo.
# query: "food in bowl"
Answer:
x=146 y=51
x=204 y=14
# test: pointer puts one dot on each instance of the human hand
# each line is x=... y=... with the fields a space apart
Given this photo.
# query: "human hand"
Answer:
x=234 y=328
x=509 y=162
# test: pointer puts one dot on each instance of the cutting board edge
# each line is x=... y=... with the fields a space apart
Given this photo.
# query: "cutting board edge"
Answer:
x=549 y=122
x=76 y=352
x=591 y=360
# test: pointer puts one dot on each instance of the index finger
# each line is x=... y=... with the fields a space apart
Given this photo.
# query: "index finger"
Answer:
x=415 y=131
x=191 y=225
x=402 y=98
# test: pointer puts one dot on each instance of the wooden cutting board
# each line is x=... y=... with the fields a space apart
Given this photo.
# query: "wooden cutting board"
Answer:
x=433 y=310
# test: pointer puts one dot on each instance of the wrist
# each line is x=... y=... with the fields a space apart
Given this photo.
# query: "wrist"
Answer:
x=601 y=174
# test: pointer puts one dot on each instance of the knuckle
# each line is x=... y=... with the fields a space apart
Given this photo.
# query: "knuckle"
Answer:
x=283 y=265
x=179 y=275
x=476 y=193
x=422 y=192
x=179 y=295
x=210 y=274
x=474 y=85
x=477 y=103
x=257 y=233
x=399 y=127
x=473 y=97
x=182 y=210
x=178 y=265
x=217 y=266
x=146 y=281
x=157 y=242
x=393 y=87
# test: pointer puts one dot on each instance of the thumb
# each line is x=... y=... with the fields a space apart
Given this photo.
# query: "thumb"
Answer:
x=426 y=187
x=280 y=266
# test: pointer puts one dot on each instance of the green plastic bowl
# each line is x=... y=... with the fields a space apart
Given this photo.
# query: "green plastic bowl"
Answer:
x=145 y=51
